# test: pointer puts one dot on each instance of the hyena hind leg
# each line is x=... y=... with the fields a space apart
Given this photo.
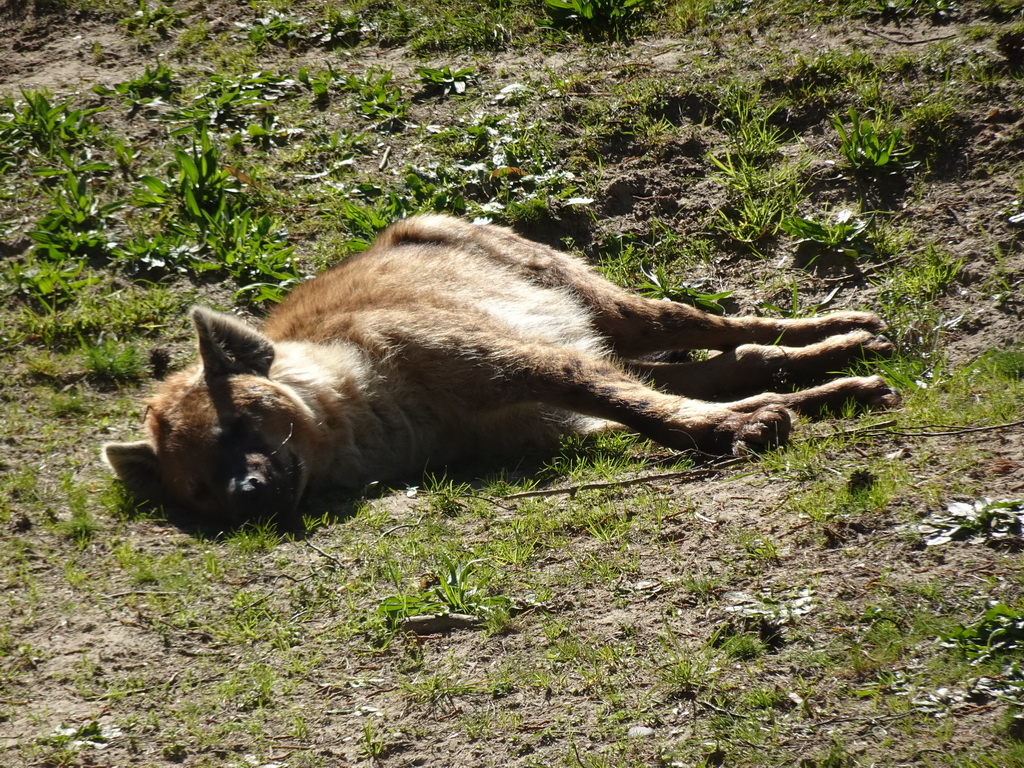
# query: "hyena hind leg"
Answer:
x=754 y=367
x=633 y=325
x=637 y=326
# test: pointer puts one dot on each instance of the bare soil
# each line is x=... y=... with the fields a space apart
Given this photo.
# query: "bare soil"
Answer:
x=86 y=642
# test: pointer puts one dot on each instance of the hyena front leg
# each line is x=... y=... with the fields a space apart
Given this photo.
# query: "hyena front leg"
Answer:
x=754 y=367
x=595 y=388
x=867 y=391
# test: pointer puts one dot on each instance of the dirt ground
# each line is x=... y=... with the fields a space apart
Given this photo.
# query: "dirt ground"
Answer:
x=104 y=668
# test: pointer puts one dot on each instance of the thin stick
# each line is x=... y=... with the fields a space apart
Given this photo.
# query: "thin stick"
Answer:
x=907 y=42
x=941 y=430
x=328 y=555
x=688 y=474
x=400 y=526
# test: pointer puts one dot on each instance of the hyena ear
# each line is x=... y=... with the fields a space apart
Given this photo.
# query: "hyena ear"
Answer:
x=228 y=346
x=136 y=465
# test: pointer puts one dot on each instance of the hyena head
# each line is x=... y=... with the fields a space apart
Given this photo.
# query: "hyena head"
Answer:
x=224 y=439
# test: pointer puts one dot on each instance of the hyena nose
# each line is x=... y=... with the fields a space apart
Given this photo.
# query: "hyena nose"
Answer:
x=251 y=489
x=249 y=493
x=254 y=495
x=251 y=484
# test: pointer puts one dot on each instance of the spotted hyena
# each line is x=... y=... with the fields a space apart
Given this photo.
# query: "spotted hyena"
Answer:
x=448 y=341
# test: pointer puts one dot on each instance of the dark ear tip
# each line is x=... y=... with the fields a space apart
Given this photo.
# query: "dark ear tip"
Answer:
x=229 y=345
x=200 y=315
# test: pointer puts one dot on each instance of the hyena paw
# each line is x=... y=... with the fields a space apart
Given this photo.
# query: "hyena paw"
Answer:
x=759 y=431
x=874 y=393
x=878 y=345
x=858 y=342
x=835 y=325
x=866 y=391
x=869 y=321
x=864 y=342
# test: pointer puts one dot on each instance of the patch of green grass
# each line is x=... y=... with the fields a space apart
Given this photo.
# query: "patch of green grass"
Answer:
x=602 y=456
x=659 y=285
x=372 y=744
x=685 y=672
x=704 y=586
x=153 y=85
x=80 y=525
x=868 y=150
x=473 y=26
x=101 y=308
x=934 y=127
x=152 y=569
x=112 y=361
x=763 y=189
x=819 y=82
x=605 y=522
x=693 y=15
x=886 y=638
x=598 y=18
x=761 y=549
x=256 y=687
x=118 y=502
x=760 y=197
x=661 y=265
x=36 y=128
x=51 y=285
x=149 y=22
x=73 y=229
x=1007 y=362
x=909 y=292
x=845 y=233
x=209 y=213
x=453 y=593
x=970 y=395
x=70 y=404
x=255 y=538
x=440 y=686
x=855 y=492
x=748 y=123
x=194 y=37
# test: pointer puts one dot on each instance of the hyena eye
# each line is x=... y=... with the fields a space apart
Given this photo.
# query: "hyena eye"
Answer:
x=234 y=430
x=200 y=493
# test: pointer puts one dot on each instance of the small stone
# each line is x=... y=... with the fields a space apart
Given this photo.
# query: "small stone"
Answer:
x=640 y=732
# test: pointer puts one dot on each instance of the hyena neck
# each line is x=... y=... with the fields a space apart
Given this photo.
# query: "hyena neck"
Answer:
x=316 y=367
x=330 y=380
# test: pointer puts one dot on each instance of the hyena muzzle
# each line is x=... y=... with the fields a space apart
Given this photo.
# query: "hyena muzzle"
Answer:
x=446 y=342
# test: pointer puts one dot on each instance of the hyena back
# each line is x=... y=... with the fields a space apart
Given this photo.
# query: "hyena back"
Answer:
x=447 y=341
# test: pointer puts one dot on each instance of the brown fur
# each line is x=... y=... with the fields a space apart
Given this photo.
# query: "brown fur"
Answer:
x=447 y=341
